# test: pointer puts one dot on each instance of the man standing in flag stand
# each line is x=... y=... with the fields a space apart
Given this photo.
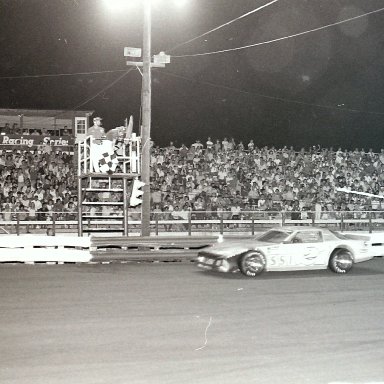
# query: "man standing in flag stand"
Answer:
x=98 y=143
x=105 y=145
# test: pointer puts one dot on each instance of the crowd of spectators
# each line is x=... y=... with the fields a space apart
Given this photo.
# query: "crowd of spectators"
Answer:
x=216 y=177
x=233 y=178
x=37 y=183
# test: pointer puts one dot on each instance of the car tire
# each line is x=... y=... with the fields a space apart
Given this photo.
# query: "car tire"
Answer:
x=252 y=263
x=341 y=261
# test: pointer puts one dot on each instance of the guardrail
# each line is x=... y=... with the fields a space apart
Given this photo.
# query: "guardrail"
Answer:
x=198 y=222
x=148 y=248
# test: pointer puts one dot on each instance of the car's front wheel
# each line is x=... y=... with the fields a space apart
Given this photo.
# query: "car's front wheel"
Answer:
x=341 y=261
x=252 y=263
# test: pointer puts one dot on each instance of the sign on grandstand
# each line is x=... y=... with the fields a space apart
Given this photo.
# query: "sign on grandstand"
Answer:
x=28 y=142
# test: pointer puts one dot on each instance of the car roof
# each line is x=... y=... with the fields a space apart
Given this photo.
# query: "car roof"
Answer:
x=302 y=229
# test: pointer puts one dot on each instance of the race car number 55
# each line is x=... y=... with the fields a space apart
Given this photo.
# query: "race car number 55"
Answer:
x=279 y=261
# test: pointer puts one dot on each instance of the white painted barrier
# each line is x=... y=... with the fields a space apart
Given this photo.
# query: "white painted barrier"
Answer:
x=39 y=248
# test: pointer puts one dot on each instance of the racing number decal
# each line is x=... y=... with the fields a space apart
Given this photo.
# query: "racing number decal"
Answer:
x=302 y=255
x=279 y=261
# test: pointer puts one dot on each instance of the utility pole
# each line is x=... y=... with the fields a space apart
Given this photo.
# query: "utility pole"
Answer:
x=159 y=61
x=146 y=121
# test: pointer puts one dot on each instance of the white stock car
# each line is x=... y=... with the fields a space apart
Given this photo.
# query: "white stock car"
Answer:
x=288 y=249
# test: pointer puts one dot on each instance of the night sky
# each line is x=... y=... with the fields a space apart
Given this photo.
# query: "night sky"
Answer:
x=324 y=87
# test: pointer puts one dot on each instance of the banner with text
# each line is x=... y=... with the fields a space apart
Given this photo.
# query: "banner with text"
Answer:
x=35 y=142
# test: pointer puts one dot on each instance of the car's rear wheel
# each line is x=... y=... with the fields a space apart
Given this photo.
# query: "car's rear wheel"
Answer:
x=341 y=261
x=252 y=263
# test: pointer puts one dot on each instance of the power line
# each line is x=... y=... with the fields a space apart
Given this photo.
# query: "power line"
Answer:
x=122 y=70
x=215 y=52
x=223 y=25
x=60 y=74
x=104 y=89
x=86 y=101
x=282 y=38
x=274 y=98
x=206 y=53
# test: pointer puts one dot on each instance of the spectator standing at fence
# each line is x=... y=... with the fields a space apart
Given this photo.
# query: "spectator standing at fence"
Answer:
x=70 y=211
x=43 y=213
x=235 y=212
x=58 y=208
x=7 y=212
x=22 y=212
x=31 y=213
x=37 y=202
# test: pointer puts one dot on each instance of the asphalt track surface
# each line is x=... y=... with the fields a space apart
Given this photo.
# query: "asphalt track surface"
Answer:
x=171 y=323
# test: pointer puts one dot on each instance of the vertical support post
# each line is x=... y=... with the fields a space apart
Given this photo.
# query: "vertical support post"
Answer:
x=79 y=208
x=79 y=157
x=125 y=206
x=54 y=224
x=189 y=223
x=253 y=225
x=221 y=224
x=17 y=224
x=146 y=122
x=370 y=221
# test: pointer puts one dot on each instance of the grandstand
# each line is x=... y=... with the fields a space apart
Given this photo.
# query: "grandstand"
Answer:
x=205 y=181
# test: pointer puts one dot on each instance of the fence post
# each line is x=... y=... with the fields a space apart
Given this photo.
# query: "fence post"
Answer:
x=253 y=225
x=370 y=221
x=156 y=224
x=282 y=218
x=17 y=224
x=342 y=222
x=313 y=218
x=189 y=223
x=221 y=224
x=54 y=224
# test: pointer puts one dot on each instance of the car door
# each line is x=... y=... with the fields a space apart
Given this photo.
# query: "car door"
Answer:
x=305 y=250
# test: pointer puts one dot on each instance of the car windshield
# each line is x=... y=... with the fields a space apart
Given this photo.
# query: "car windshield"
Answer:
x=274 y=236
x=338 y=235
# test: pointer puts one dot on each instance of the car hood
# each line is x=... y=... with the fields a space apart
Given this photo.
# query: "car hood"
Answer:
x=228 y=248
